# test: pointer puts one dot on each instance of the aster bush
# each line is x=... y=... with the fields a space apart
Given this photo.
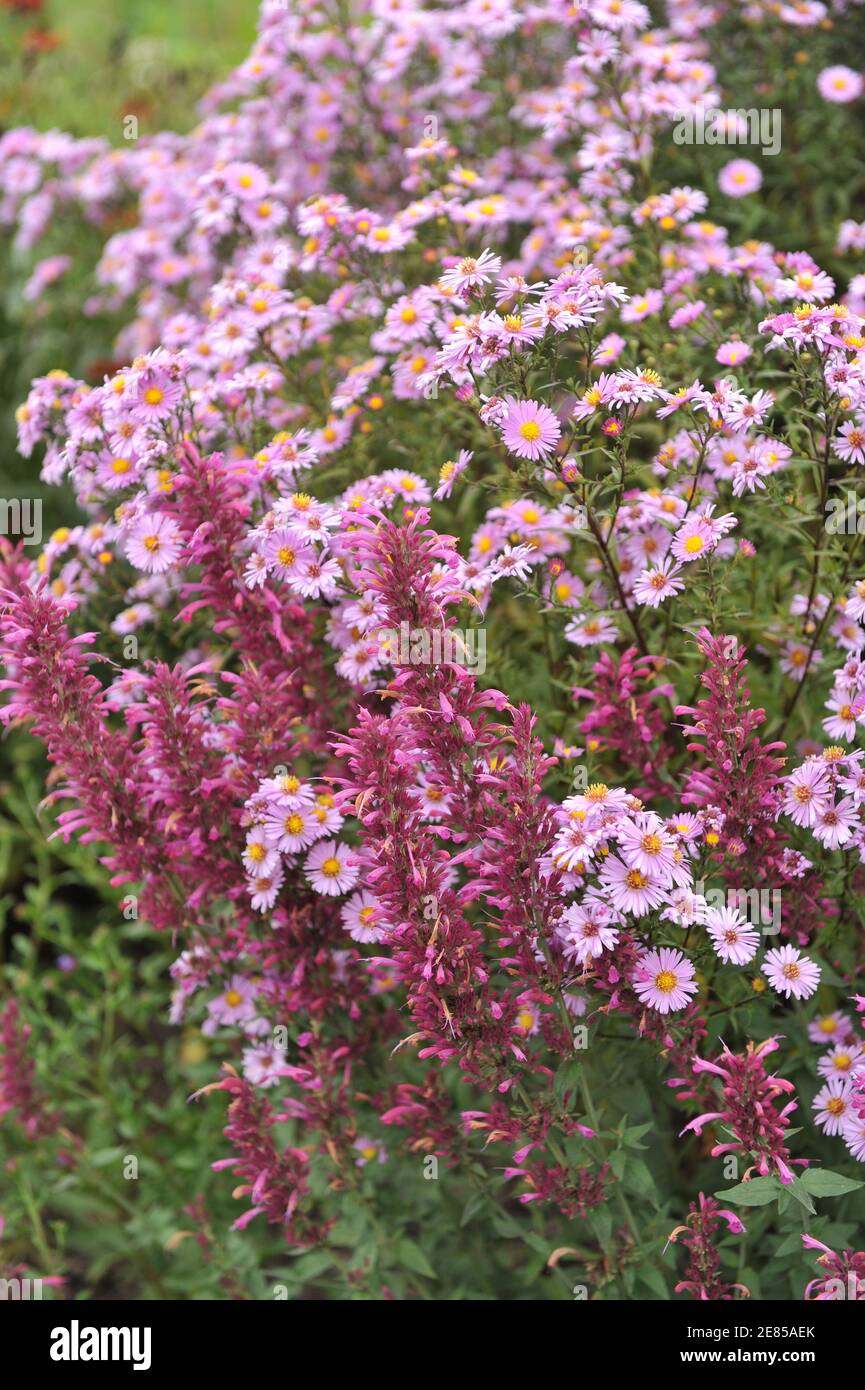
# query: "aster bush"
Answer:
x=450 y=668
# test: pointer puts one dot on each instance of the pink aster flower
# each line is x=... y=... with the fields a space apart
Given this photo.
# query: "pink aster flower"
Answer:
x=470 y=272
x=839 y=84
x=693 y=539
x=830 y=1028
x=687 y=314
x=734 y=939
x=642 y=306
x=531 y=430
x=658 y=583
x=849 y=443
x=739 y=178
x=846 y=713
x=235 y=1004
x=362 y=917
x=590 y=632
x=853 y=1134
x=646 y=844
x=328 y=870
x=258 y=856
x=733 y=354
x=832 y=1104
x=369 y=1151
x=664 y=980
x=262 y=1063
x=586 y=930
x=834 y=825
x=158 y=394
x=450 y=471
x=290 y=831
x=245 y=181
x=154 y=543
x=609 y=349
x=264 y=888
x=789 y=972
x=840 y=1060
x=515 y=562
x=631 y=890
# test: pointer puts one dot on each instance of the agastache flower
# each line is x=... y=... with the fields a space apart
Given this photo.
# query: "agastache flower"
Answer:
x=748 y=1108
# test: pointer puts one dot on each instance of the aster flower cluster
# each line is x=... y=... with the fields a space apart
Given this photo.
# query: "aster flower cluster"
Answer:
x=388 y=406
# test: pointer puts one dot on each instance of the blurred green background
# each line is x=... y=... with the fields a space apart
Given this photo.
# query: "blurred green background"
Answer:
x=81 y=67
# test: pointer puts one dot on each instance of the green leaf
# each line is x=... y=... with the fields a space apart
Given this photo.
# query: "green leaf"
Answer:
x=800 y=1192
x=654 y=1279
x=821 y=1183
x=791 y=1245
x=414 y=1258
x=759 y=1192
x=567 y=1079
x=638 y=1177
x=472 y=1207
x=618 y=1162
x=633 y=1135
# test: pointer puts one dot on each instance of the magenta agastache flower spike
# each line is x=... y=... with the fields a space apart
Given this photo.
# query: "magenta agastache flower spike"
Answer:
x=51 y=687
x=209 y=506
x=625 y=715
x=21 y=1096
x=747 y=1108
x=703 y=1279
x=843 y=1277
x=740 y=774
x=275 y=1182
